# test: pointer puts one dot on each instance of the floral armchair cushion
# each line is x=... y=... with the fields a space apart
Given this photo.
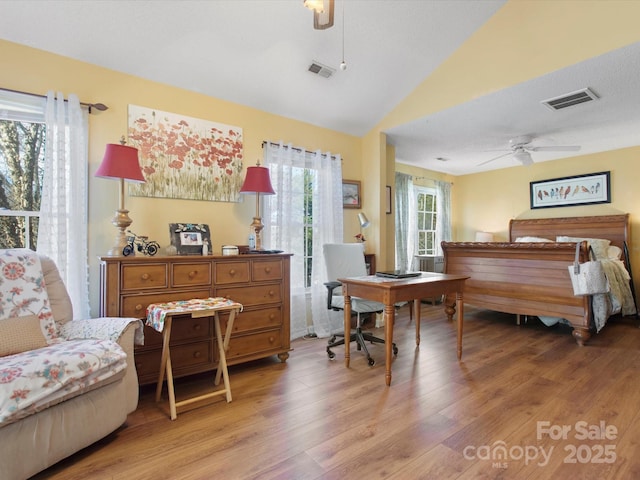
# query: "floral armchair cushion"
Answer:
x=23 y=295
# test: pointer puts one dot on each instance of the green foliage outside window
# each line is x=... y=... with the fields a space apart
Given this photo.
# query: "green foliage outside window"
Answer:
x=427 y=216
x=21 y=172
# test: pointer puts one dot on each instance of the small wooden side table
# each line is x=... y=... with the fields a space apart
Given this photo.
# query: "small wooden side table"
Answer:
x=160 y=317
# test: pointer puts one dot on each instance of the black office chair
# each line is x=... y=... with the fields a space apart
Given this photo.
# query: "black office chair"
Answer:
x=347 y=260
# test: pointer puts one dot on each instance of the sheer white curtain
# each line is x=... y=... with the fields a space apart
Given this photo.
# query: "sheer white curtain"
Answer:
x=405 y=222
x=62 y=231
x=286 y=217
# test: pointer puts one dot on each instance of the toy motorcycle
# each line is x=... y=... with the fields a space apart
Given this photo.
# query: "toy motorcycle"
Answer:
x=141 y=244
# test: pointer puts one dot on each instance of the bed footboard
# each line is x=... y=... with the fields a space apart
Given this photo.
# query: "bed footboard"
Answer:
x=521 y=278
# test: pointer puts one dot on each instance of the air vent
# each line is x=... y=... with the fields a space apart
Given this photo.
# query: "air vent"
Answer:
x=570 y=99
x=322 y=70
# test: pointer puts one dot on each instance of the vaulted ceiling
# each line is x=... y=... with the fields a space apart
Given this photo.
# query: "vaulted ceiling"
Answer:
x=258 y=53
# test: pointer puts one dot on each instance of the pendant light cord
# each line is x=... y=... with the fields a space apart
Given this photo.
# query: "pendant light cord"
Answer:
x=343 y=65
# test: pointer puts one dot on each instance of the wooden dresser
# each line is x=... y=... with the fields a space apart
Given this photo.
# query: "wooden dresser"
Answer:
x=259 y=282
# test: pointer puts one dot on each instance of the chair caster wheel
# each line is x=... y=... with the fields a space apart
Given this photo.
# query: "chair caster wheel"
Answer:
x=395 y=349
x=371 y=361
x=330 y=354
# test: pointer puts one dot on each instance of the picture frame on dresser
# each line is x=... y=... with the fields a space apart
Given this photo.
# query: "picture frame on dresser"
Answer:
x=190 y=238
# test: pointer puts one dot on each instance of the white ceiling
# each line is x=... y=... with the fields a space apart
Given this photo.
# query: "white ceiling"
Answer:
x=257 y=52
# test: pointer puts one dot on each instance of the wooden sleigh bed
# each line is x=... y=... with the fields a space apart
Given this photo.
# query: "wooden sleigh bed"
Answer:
x=531 y=278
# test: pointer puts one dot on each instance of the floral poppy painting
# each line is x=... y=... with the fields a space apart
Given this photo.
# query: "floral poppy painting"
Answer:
x=184 y=157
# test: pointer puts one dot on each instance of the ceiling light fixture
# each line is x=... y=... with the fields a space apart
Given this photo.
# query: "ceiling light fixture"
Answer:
x=322 y=13
x=523 y=157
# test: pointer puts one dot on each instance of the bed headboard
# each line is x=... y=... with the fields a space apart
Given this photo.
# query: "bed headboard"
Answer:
x=611 y=227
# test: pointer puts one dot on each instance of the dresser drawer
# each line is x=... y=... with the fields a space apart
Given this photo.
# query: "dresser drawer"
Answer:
x=136 y=305
x=183 y=328
x=249 y=320
x=185 y=359
x=265 y=270
x=147 y=276
x=254 y=344
x=231 y=272
x=254 y=295
x=190 y=274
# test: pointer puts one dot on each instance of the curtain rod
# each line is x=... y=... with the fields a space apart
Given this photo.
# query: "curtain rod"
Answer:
x=297 y=149
x=430 y=179
x=98 y=106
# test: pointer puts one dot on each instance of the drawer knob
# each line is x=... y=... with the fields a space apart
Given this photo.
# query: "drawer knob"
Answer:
x=271 y=293
x=267 y=269
x=138 y=307
x=272 y=339
x=197 y=327
x=232 y=272
x=197 y=354
x=193 y=273
x=145 y=276
x=272 y=316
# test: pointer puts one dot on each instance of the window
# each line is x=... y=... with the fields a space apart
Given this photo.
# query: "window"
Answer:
x=22 y=141
x=426 y=220
x=308 y=177
x=304 y=215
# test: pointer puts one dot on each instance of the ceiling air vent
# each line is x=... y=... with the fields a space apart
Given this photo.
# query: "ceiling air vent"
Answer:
x=570 y=99
x=322 y=70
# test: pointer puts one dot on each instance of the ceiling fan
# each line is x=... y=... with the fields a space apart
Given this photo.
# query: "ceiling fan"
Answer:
x=520 y=148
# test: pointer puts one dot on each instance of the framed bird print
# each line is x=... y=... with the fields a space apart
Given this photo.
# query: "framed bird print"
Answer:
x=586 y=189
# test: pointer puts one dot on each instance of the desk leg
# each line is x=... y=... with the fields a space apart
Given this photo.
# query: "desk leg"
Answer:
x=460 y=308
x=389 y=318
x=416 y=315
x=347 y=328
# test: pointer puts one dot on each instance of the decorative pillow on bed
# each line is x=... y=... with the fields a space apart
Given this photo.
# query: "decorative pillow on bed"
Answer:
x=533 y=240
x=599 y=245
x=20 y=334
x=614 y=253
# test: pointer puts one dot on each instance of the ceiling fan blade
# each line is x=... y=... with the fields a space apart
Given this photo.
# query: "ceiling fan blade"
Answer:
x=557 y=148
x=495 y=158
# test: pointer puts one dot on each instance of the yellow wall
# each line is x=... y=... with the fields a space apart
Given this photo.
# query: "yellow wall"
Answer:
x=523 y=40
x=487 y=201
x=35 y=71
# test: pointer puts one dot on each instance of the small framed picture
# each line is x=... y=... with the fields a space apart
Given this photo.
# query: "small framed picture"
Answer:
x=351 y=194
x=190 y=238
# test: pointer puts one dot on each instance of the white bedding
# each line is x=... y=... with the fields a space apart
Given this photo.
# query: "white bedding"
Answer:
x=618 y=300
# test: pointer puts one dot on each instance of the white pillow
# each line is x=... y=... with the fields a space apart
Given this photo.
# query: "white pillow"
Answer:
x=533 y=240
x=614 y=253
x=599 y=245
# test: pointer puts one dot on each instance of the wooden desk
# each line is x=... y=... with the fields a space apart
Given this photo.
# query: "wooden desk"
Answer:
x=391 y=291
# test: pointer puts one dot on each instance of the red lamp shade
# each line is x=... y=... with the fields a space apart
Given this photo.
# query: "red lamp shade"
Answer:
x=257 y=181
x=120 y=161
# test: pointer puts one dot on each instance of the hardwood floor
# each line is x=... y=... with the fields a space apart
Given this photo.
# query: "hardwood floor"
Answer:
x=495 y=414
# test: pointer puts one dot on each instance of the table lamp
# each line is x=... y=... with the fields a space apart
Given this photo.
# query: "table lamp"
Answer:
x=120 y=162
x=257 y=181
x=364 y=222
x=484 y=237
